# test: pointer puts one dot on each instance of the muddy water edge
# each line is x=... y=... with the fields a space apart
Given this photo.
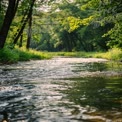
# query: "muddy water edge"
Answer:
x=62 y=90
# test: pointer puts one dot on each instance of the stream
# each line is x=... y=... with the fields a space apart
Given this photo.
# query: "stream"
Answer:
x=62 y=90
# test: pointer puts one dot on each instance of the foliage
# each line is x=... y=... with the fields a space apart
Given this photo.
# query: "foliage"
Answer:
x=3 y=7
x=8 y=56
x=14 y=55
x=69 y=29
x=112 y=54
x=87 y=25
x=108 y=11
x=75 y=23
x=36 y=54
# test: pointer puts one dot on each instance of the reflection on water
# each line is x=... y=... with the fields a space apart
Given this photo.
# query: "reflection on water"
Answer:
x=92 y=67
x=102 y=94
x=61 y=90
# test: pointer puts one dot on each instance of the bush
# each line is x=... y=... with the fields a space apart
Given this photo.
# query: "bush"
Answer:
x=115 y=54
x=8 y=56
x=38 y=55
x=14 y=55
x=112 y=54
x=23 y=55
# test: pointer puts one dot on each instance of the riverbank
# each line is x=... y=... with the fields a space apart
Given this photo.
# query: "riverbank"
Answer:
x=8 y=56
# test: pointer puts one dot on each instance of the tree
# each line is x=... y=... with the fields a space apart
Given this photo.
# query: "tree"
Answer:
x=9 y=16
x=108 y=12
x=30 y=24
x=26 y=18
x=15 y=7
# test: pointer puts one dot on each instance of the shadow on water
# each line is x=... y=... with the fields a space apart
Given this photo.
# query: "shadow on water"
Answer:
x=101 y=93
x=58 y=91
x=97 y=66
x=91 y=67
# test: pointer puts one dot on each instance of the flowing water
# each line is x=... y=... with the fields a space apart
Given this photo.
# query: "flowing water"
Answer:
x=62 y=90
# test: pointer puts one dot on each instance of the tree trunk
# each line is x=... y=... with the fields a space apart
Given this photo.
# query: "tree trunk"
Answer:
x=10 y=13
x=29 y=33
x=20 y=32
x=24 y=23
x=29 y=30
x=20 y=43
x=30 y=25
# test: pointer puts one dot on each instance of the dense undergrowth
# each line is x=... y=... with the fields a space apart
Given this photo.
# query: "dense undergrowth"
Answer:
x=114 y=54
x=14 y=55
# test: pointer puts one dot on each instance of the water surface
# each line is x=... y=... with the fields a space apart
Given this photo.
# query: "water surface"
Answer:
x=62 y=90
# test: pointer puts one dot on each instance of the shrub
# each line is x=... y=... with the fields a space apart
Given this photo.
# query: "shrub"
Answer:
x=114 y=54
x=23 y=55
x=8 y=56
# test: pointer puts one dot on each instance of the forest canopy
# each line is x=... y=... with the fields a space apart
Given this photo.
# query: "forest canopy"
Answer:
x=65 y=25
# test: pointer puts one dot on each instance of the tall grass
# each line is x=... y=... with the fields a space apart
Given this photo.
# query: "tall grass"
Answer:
x=8 y=56
x=112 y=54
x=14 y=55
x=72 y=54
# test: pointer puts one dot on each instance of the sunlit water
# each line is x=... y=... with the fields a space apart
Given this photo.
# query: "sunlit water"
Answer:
x=61 y=90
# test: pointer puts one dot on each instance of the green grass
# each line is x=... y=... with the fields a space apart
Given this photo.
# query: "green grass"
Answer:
x=72 y=54
x=25 y=55
x=113 y=54
x=8 y=56
x=12 y=56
